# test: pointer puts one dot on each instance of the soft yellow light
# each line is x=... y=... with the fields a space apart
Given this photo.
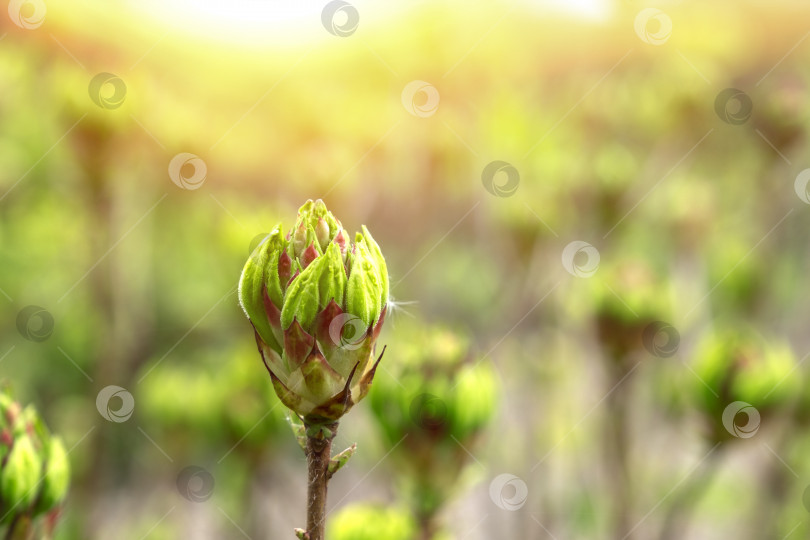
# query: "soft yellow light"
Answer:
x=588 y=9
x=240 y=20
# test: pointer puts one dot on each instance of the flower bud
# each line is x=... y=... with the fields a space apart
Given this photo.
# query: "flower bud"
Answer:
x=317 y=303
x=57 y=476
x=34 y=470
x=20 y=475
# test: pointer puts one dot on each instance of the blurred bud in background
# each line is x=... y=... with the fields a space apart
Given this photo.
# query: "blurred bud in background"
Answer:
x=743 y=382
x=34 y=474
x=432 y=406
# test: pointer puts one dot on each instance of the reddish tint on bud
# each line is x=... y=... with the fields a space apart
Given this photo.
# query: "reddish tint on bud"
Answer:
x=317 y=302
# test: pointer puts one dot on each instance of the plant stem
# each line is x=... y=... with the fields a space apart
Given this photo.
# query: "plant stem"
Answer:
x=427 y=527
x=687 y=499
x=319 y=450
x=12 y=526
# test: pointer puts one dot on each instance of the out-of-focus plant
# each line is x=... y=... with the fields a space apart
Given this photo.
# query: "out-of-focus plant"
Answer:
x=317 y=301
x=740 y=367
x=34 y=472
x=432 y=407
x=626 y=298
x=223 y=403
x=370 y=522
x=739 y=380
x=628 y=303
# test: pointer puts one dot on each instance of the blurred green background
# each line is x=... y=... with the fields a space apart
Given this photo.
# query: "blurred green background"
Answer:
x=619 y=135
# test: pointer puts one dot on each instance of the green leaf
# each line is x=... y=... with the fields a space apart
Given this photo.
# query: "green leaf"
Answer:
x=299 y=431
x=341 y=459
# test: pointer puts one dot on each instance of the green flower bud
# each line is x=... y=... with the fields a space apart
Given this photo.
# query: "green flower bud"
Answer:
x=20 y=475
x=57 y=476
x=34 y=471
x=317 y=303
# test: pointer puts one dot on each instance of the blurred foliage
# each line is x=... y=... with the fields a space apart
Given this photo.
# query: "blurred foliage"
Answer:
x=617 y=143
x=366 y=522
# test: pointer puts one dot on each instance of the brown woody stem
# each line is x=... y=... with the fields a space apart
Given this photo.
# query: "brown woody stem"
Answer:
x=319 y=450
x=427 y=527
